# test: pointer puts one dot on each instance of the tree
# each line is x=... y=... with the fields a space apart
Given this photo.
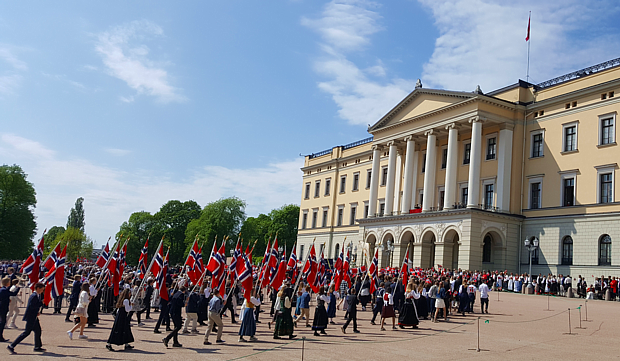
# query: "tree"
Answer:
x=220 y=218
x=50 y=237
x=284 y=222
x=78 y=244
x=17 y=221
x=257 y=228
x=76 y=216
x=174 y=217
x=138 y=228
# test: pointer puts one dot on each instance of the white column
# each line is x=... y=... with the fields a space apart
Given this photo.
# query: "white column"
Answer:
x=451 y=167
x=473 y=186
x=429 y=171
x=407 y=188
x=504 y=165
x=374 y=181
x=398 y=181
x=391 y=176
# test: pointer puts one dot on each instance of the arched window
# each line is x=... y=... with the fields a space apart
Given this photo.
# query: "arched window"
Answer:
x=486 y=248
x=567 y=251
x=337 y=254
x=604 y=250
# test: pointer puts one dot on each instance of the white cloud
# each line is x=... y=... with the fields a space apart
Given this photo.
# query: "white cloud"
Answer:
x=9 y=83
x=9 y=57
x=10 y=79
x=127 y=59
x=111 y=195
x=345 y=26
x=483 y=42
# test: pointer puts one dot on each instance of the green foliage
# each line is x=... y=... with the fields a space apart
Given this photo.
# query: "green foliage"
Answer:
x=78 y=244
x=17 y=222
x=283 y=221
x=257 y=228
x=50 y=237
x=173 y=218
x=220 y=218
x=76 y=216
x=138 y=228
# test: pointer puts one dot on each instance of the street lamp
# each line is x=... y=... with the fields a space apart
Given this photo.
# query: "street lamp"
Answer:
x=389 y=248
x=531 y=246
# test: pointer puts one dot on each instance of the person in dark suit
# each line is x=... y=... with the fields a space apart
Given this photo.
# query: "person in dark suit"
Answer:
x=75 y=294
x=176 y=308
x=31 y=316
x=146 y=302
x=5 y=298
x=352 y=301
x=164 y=315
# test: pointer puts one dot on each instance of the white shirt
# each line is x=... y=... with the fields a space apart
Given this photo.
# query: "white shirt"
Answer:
x=84 y=299
x=92 y=290
x=207 y=292
x=127 y=305
x=484 y=290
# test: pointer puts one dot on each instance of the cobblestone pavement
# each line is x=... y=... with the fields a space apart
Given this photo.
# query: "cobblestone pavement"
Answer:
x=518 y=327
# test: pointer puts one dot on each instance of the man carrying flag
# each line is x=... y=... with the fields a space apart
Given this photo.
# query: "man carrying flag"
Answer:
x=160 y=270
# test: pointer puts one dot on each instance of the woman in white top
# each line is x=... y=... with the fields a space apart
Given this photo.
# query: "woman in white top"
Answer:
x=80 y=311
x=121 y=330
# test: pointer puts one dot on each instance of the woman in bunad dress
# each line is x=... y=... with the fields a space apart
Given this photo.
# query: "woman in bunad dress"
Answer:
x=511 y=283
x=422 y=303
x=518 y=283
x=331 y=306
x=121 y=330
x=464 y=300
x=319 y=323
x=388 y=308
x=248 y=322
x=408 y=316
x=284 y=321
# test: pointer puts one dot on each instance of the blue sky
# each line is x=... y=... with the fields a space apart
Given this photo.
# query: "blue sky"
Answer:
x=131 y=104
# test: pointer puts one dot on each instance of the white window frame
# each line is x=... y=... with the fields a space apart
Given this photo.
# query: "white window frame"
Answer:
x=304 y=215
x=368 y=178
x=366 y=207
x=600 y=128
x=340 y=222
x=381 y=202
x=443 y=148
x=532 y=134
x=384 y=170
x=341 y=189
x=317 y=188
x=307 y=190
x=420 y=194
x=467 y=141
x=486 y=182
x=351 y=205
x=564 y=127
x=568 y=175
x=315 y=220
x=439 y=190
x=486 y=147
x=324 y=224
x=328 y=187
x=603 y=169
x=353 y=189
x=459 y=196
x=530 y=181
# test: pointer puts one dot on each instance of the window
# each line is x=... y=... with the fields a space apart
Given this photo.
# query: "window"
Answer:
x=607 y=131
x=567 y=251
x=535 y=195
x=464 y=192
x=467 y=153
x=568 y=192
x=304 y=220
x=537 y=145
x=604 y=250
x=356 y=181
x=353 y=211
x=325 y=210
x=368 y=177
x=421 y=198
x=606 y=188
x=328 y=185
x=384 y=172
x=340 y=215
x=491 y=148
x=315 y=215
x=343 y=183
x=382 y=208
x=444 y=158
x=366 y=207
x=570 y=138
x=442 y=198
x=307 y=193
x=487 y=243
x=337 y=253
x=317 y=188
x=301 y=251
x=423 y=162
x=488 y=196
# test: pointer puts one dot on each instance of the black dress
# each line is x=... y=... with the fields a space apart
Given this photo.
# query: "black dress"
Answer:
x=408 y=315
x=320 y=316
x=121 y=331
x=422 y=307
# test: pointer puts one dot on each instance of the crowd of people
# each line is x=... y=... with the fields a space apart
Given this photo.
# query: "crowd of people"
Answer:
x=402 y=301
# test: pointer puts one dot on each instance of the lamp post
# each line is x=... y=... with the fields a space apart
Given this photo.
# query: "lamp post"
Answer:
x=531 y=246
x=388 y=248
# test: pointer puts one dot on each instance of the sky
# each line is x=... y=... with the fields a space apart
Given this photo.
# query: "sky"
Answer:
x=132 y=104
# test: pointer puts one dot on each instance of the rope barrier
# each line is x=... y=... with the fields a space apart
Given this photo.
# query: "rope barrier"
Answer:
x=535 y=320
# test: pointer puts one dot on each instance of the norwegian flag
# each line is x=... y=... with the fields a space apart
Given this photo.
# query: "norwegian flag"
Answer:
x=233 y=262
x=54 y=279
x=245 y=276
x=372 y=272
x=199 y=267
x=346 y=272
x=318 y=281
x=337 y=279
x=158 y=265
x=114 y=269
x=214 y=260
x=311 y=269
x=190 y=261
x=161 y=278
x=263 y=266
x=52 y=258
x=404 y=270
x=103 y=257
x=273 y=257
x=220 y=271
x=122 y=262
x=292 y=265
x=143 y=259
x=280 y=274
x=32 y=264
x=271 y=264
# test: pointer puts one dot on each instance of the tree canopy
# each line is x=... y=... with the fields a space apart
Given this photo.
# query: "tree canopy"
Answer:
x=78 y=244
x=283 y=221
x=17 y=221
x=76 y=216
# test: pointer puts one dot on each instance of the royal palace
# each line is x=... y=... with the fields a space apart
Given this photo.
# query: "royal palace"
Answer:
x=463 y=179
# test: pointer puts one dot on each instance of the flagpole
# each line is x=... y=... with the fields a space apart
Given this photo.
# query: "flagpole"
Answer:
x=133 y=299
x=407 y=251
x=527 y=77
x=111 y=251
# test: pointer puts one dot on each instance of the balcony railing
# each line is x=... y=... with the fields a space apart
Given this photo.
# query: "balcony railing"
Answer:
x=319 y=154
x=355 y=144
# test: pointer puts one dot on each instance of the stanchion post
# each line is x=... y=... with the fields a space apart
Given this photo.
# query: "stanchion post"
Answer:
x=586 y=310
x=303 y=345
x=478 y=349
x=569 y=327
x=579 y=308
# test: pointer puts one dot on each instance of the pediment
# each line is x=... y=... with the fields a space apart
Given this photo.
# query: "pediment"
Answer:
x=420 y=102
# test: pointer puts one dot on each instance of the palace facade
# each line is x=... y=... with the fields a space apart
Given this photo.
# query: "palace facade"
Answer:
x=461 y=179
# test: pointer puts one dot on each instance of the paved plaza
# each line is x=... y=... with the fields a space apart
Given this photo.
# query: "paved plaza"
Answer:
x=519 y=327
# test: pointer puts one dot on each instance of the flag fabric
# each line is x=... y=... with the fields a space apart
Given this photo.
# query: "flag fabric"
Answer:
x=32 y=264
x=161 y=279
x=53 y=258
x=198 y=268
x=346 y=272
x=143 y=259
x=214 y=260
x=54 y=279
x=233 y=262
x=404 y=270
x=114 y=268
x=158 y=264
x=311 y=269
x=190 y=262
x=527 y=37
x=292 y=265
x=103 y=257
x=245 y=276
x=271 y=264
x=280 y=274
x=122 y=262
x=266 y=256
x=372 y=272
